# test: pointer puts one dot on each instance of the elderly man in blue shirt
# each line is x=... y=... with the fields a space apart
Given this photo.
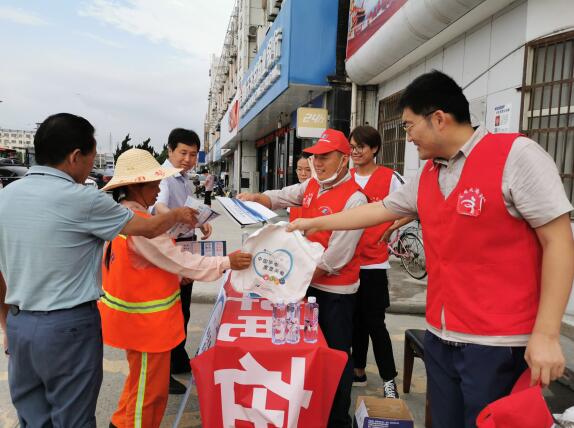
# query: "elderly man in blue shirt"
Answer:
x=51 y=240
x=183 y=148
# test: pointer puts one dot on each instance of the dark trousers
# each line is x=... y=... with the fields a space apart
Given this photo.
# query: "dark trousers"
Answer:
x=336 y=322
x=207 y=200
x=369 y=320
x=179 y=357
x=55 y=366
x=464 y=379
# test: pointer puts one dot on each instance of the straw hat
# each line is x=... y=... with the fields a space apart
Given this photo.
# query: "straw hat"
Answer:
x=138 y=166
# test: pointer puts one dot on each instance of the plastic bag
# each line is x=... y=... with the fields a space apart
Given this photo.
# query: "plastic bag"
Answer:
x=283 y=264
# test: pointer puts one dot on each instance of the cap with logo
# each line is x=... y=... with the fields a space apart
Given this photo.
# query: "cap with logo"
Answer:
x=331 y=140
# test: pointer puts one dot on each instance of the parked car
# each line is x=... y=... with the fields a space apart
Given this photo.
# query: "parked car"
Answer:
x=102 y=176
x=90 y=182
x=10 y=173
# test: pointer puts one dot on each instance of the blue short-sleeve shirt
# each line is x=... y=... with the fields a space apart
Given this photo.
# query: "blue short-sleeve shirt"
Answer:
x=52 y=232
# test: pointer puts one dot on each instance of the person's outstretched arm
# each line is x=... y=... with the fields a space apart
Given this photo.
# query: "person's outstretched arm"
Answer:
x=153 y=226
x=357 y=218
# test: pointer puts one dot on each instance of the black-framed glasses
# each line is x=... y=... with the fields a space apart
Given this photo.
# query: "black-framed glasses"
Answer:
x=408 y=127
x=357 y=149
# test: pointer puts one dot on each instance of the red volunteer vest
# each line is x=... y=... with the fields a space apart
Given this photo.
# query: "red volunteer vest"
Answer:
x=141 y=308
x=483 y=270
x=331 y=202
x=295 y=213
x=377 y=189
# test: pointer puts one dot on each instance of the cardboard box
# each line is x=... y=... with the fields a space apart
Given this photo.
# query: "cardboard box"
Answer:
x=374 y=412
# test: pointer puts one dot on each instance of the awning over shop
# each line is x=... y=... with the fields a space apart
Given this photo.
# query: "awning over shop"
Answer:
x=385 y=36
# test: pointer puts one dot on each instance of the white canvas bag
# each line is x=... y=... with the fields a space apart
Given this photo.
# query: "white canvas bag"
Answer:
x=283 y=264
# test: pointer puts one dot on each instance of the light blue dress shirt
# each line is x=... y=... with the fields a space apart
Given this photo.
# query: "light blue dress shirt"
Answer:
x=173 y=191
x=52 y=232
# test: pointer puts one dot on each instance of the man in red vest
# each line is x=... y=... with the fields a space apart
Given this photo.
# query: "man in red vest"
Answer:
x=336 y=279
x=499 y=250
x=373 y=295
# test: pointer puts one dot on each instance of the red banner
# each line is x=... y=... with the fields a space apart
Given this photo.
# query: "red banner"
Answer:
x=365 y=18
x=245 y=380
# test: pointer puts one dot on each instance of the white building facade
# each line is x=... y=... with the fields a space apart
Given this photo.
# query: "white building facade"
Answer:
x=17 y=139
x=514 y=60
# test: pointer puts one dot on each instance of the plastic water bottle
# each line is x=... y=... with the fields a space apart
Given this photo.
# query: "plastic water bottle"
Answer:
x=279 y=323
x=311 y=315
x=293 y=320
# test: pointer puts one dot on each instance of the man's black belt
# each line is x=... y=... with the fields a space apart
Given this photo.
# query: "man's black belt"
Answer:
x=15 y=310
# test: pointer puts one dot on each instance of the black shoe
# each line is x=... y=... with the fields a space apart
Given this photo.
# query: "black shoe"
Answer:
x=176 y=387
x=112 y=425
x=360 y=380
x=390 y=389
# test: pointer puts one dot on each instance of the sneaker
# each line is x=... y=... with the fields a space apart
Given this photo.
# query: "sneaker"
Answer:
x=360 y=380
x=390 y=389
x=176 y=387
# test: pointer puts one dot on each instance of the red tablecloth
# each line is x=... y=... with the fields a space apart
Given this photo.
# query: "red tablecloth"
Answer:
x=247 y=381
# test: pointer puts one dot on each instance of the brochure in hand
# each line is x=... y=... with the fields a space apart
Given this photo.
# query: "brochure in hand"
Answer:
x=204 y=215
x=246 y=213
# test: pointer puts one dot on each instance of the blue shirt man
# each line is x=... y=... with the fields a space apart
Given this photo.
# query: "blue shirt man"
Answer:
x=183 y=148
x=51 y=238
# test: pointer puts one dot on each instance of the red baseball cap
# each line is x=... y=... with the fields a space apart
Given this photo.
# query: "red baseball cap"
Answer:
x=331 y=140
x=524 y=407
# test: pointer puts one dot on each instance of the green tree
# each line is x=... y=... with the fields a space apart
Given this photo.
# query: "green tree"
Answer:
x=124 y=146
x=163 y=155
x=147 y=146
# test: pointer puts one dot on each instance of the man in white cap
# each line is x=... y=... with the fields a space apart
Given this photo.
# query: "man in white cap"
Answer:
x=336 y=279
x=52 y=234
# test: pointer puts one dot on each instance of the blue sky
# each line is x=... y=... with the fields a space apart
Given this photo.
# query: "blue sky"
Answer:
x=137 y=66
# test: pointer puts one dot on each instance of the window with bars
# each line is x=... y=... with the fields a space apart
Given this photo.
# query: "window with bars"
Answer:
x=392 y=154
x=548 y=101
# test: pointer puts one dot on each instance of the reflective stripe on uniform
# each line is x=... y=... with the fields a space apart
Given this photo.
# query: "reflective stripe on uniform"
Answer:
x=141 y=391
x=140 y=307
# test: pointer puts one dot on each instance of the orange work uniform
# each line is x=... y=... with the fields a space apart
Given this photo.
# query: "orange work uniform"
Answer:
x=141 y=313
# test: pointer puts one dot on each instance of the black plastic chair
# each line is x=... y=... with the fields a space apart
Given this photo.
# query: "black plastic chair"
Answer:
x=414 y=347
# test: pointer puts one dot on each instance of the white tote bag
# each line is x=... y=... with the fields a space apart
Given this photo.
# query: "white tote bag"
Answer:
x=283 y=264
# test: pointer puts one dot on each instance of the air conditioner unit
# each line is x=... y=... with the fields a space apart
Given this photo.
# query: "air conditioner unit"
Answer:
x=252 y=33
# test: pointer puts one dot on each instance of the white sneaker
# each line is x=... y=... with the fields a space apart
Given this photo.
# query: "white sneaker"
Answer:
x=390 y=389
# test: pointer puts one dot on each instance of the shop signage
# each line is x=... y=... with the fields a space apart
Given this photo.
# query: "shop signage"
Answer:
x=265 y=73
x=311 y=122
x=234 y=116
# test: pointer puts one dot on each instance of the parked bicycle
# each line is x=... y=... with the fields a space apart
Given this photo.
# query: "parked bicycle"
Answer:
x=408 y=247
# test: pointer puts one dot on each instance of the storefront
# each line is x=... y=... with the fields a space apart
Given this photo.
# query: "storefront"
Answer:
x=281 y=79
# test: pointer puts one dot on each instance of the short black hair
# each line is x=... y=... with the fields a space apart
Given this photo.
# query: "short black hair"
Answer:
x=368 y=136
x=436 y=91
x=61 y=134
x=184 y=136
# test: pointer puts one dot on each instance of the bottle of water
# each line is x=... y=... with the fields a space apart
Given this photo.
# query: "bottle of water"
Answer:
x=279 y=323
x=293 y=321
x=311 y=315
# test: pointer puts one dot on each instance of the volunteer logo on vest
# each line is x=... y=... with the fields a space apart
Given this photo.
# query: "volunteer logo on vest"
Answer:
x=324 y=210
x=274 y=266
x=307 y=200
x=470 y=202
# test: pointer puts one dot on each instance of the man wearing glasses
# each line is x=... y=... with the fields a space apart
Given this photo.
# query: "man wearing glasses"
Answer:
x=499 y=250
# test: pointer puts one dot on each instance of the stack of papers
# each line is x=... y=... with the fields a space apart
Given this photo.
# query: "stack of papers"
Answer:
x=204 y=215
x=246 y=213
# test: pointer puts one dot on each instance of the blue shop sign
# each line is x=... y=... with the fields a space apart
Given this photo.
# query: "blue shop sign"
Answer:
x=299 y=49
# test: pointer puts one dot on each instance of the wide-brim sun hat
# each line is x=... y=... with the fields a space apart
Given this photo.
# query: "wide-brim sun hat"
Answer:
x=138 y=166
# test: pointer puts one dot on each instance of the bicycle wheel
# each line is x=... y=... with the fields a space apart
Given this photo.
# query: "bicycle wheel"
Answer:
x=412 y=255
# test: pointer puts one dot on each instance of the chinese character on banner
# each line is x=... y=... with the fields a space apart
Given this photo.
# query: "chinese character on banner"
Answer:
x=262 y=381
